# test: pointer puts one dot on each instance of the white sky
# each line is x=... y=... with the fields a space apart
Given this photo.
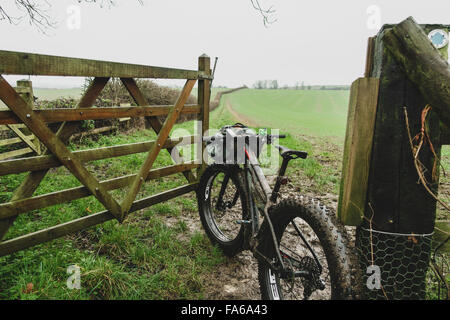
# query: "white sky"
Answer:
x=318 y=42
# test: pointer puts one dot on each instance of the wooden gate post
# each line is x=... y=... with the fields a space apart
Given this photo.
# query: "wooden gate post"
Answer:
x=203 y=97
x=398 y=213
x=25 y=88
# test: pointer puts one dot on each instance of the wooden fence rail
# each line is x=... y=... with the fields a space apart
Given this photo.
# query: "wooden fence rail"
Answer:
x=50 y=116
x=54 y=152
x=25 y=89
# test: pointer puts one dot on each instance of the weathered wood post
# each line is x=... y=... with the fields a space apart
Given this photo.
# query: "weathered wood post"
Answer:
x=203 y=97
x=25 y=89
x=395 y=214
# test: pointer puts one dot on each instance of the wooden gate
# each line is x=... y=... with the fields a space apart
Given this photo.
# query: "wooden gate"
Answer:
x=55 y=153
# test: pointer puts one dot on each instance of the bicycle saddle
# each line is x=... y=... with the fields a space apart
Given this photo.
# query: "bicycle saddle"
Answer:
x=291 y=154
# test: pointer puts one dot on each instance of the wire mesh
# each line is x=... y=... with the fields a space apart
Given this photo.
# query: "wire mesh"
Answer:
x=394 y=266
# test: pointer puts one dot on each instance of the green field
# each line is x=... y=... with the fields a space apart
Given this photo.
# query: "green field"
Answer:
x=52 y=94
x=214 y=91
x=308 y=112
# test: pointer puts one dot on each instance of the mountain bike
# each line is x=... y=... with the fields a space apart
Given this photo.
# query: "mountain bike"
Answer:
x=300 y=251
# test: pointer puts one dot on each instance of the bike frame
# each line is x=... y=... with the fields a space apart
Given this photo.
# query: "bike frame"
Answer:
x=252 y=172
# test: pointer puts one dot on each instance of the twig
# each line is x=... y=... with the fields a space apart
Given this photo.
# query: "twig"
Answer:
x=437 y=271
x=37 y=12
x=415 y=151
x=371 y=238
x=37 y=15
x=443 y=231
x=265 y=13
x=371 y=247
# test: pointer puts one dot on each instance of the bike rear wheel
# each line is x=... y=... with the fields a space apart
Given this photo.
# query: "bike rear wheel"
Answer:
x=308 y=241
x=223 y=207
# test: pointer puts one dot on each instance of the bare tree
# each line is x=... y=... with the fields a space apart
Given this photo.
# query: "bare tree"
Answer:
x=267 y=14
x=37 y=12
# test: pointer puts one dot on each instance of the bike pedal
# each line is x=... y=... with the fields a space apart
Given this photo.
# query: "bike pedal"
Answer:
x=243 y=222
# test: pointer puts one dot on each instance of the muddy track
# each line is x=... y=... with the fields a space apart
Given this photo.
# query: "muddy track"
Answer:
x=239 y=117
x=237 y=277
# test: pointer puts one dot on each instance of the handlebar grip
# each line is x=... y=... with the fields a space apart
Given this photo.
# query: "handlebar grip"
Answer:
x=279 y=136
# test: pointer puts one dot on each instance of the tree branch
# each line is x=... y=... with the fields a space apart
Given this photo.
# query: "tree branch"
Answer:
x=37 y=12
x=265 y=13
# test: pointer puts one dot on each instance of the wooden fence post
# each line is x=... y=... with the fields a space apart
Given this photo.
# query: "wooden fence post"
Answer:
x=25 y=89
x=203 y=101
x=399 y=213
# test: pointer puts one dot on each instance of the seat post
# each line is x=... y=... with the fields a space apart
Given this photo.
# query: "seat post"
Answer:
x=281 y=173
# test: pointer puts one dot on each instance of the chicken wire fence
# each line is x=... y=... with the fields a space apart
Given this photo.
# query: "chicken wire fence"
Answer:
x=400 y=266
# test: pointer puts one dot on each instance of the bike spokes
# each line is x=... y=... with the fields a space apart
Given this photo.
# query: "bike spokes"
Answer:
x=307 y=245
x=306 y=275
x=225 y=207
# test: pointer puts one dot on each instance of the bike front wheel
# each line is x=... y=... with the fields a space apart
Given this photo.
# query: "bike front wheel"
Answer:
x=311 y=246
x=223 y=207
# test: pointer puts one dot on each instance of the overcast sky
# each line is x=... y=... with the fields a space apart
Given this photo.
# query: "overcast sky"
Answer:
x=316 y=41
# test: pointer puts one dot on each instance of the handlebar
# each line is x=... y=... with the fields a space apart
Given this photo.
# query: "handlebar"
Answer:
x=269 y=137
x=279 y=136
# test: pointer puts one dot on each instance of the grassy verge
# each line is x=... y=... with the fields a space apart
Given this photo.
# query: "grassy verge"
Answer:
x=143 y=258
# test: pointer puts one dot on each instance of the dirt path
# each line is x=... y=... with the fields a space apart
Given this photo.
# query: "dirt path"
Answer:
x=237 y=277
x=239 y=117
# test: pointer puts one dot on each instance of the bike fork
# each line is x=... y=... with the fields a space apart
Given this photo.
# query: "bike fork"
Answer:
x=222 y=205
x=253 y=209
